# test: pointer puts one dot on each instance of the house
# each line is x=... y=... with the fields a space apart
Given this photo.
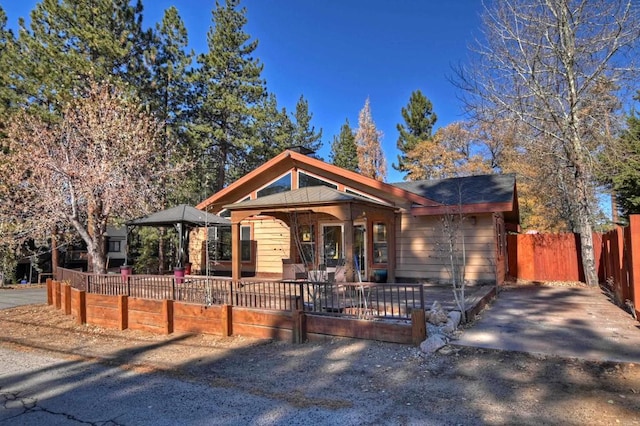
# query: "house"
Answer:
x=299 y=217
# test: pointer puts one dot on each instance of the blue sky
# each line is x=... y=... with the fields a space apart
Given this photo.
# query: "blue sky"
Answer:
x=338 y=53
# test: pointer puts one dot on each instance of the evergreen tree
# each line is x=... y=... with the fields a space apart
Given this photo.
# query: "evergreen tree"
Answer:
x=371 y=161
x=8 y=90
x=303 y=132
x=169 y=61
x=227 y=91
x=344 y=152
x=419 y=120
x=273 y=132
x=71 y=43
x=623 y=168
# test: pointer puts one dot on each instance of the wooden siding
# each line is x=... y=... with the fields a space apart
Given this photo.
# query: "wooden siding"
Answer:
x=422 y=255
x=272 y=237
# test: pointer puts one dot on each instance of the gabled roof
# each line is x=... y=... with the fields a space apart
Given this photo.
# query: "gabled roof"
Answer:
x=465 y=190
x=289 y=160
x=313 y=195
x=475 y=194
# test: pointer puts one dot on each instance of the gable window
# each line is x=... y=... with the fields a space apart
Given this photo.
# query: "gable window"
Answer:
x=306 y=180
x=280 y=185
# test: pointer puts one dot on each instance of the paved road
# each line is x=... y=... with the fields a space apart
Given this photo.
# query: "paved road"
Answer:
x=22 y=296
x=37 y=390
x=575 y=322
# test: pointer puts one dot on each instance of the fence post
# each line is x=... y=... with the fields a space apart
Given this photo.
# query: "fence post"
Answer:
x=418 y=326
x=49 y=291
x=123 y=309
x=167 y=313
x=301 y=288
x=298 y=322
x=82 y=307
x=226 y=320
x=67 y=298
x=56 y=294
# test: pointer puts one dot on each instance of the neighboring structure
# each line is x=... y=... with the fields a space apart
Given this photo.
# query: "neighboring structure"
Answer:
x=296 y=216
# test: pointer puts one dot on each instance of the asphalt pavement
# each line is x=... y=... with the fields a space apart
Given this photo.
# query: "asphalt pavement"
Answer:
x=574 y=322
x=10 y=297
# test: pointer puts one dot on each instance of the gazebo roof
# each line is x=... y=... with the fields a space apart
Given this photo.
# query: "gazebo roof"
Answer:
x=181 y=214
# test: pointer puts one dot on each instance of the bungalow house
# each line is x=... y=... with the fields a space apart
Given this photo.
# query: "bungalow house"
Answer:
x=299 y=217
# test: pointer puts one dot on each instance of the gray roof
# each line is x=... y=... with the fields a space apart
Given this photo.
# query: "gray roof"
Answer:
x=465 y=190
x=181 y=214
x=312 y=195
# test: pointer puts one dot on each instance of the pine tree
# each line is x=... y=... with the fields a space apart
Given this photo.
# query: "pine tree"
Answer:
x=71 y=43
x=9 y=97
x=273 y=132
x=623 y=167
x=344 y=152
x=169 y=61
x=304 y=133
x=419 y=121
x=371 y=161
x=227 y=91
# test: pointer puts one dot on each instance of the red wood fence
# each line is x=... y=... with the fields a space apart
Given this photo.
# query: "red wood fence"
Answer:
x=556 y=257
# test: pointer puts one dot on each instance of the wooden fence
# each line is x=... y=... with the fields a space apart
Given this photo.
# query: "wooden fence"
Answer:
x=266 y=309
x=557 y=257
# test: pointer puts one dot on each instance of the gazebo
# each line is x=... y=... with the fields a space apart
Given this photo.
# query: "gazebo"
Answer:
x=182 y=217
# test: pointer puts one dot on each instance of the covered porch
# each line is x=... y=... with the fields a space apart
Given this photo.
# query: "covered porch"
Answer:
x=332 y=235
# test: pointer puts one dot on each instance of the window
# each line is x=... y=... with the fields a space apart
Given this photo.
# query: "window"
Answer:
x=332 y=244
x=305 y=180
x=220 y=243
x=306 y=237
x=281 y=185
x=379 y=243
x=114 y=246
x=245 y=243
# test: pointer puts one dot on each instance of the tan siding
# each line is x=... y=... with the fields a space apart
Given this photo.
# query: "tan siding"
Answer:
x=422 y=252
x=272 y=238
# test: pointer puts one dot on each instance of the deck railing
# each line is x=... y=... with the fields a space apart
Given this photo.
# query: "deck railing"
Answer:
x=360 y=300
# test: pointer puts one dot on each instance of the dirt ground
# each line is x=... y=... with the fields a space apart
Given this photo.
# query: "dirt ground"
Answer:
x=455 y=386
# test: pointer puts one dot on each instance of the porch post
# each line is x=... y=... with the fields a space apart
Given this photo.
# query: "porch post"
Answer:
x=236 y=261
x=348 y=251
x=391 y=248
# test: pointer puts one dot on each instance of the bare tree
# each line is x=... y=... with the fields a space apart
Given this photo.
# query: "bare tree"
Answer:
x=101 y=162
x=371 y=161
x=454 y=251
x=543 y=62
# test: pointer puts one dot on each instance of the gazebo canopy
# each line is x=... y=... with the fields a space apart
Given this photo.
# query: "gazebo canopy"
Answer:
x=182 y=214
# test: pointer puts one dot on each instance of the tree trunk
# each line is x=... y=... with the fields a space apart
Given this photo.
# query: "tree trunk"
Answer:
x=585 y=230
